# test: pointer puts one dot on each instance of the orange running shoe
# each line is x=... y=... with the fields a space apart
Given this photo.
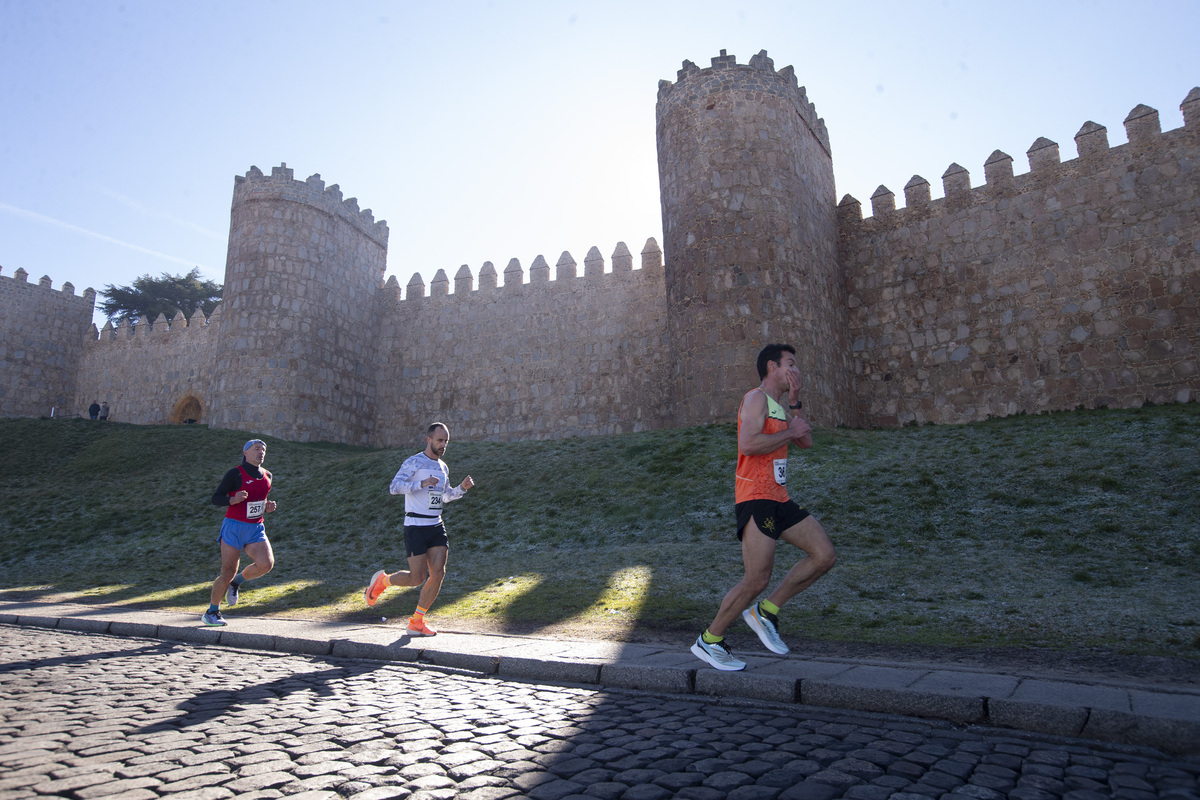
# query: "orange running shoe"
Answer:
x=420 y=628
x=375 y=587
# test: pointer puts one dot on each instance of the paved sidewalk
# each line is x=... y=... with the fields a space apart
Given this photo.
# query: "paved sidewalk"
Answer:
x=1166 y=717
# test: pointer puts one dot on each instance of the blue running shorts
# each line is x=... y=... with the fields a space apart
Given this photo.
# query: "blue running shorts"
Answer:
x=236 y=533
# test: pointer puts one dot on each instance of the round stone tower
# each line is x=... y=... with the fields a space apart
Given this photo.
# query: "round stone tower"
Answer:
x=750 y=234
x=295 y=354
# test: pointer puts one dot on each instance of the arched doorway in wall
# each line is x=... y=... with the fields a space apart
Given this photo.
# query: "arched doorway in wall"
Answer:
x=188 y=411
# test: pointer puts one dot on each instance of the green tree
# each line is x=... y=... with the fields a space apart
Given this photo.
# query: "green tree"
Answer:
x=148 y=297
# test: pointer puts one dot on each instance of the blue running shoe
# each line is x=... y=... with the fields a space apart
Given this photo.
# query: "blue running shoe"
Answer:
x=214 y=620
x=231 y=595
x=764 y=624
x=718 y=655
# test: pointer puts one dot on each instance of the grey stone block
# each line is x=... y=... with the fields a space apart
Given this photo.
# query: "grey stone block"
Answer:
x=1059 y=720
x=893 y=701
x=83 y=624
x=38 y=622
x=804 y=669
x=967 y=684
x=312 y=647
x=248 y=641
x=1168 y=705
x=189 y=634
x=548 y=670
x=650 y=678
x=1063 y=693
x=9 y=619
x=776 y=688
x=143 y=629
x=1172 y=735
x=473 y=662
x=346 y=648
x=880 y=677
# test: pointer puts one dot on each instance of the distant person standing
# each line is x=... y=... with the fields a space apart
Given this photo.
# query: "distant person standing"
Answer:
x=424 y=480
x=104 y=411
x=244 y=491
x=765 y=513
x=94 y=410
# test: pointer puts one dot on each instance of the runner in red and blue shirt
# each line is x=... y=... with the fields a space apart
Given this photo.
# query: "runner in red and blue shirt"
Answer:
x=243 y=490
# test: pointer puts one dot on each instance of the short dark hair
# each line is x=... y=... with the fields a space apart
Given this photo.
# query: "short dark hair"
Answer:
x=435 y=426
x=772 y=352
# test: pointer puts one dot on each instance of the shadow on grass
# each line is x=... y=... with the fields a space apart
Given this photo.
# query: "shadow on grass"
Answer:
x=523 y=604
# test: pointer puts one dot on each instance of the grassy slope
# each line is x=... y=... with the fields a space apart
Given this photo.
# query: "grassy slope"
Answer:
x=1064 y=530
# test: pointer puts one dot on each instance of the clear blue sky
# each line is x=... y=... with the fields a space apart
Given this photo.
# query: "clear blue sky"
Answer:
x=483 y=131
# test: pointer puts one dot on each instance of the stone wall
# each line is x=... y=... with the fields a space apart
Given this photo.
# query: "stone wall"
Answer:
x=1074 y=284
x=41 y=339
x=577 y=355
x=148 y=373
x=296 y=355
x=750 y=238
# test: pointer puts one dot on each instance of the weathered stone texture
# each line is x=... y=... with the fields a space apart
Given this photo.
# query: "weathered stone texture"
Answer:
x=1072 y=285
x=296 y=352
x=150 y=373
x=750 y=238
x=573 y=356
x=41 y=340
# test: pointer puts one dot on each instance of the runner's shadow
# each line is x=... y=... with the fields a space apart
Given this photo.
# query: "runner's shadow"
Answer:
x=209 y=705
x=43 y=663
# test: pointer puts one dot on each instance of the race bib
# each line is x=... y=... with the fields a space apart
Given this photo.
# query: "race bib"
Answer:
x=255 y=508
x=435 y=501
x=781 y=471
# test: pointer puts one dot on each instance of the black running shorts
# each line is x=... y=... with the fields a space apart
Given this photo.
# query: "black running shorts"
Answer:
x=419 y=538
x=772 y=518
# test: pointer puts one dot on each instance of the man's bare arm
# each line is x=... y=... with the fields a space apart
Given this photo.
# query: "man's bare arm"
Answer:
x=751 y=440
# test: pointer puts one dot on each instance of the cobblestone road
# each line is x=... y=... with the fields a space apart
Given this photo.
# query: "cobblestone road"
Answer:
x=89 y=716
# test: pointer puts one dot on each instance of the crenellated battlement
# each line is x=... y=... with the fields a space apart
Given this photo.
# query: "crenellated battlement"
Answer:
x=725 y=74
x=20 y=278
x=311 y=192
x=1074 y=283
x=158 y=331
x=566 y=274
x=41 y=329
x=580 y=353
x=1095 y=156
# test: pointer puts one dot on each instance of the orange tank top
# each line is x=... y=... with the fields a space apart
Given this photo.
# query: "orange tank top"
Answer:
x=763 y=477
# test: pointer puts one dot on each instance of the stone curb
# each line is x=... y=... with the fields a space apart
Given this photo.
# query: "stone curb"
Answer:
x=1162 y=718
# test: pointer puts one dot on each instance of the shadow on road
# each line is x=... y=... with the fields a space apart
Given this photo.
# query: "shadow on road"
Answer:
x=209 y=705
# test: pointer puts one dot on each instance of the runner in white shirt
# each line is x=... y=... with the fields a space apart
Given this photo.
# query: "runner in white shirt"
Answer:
x=424 y=480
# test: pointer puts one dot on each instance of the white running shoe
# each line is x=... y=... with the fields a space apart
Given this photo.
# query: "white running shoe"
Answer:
x=718 y=655
x=763 y=623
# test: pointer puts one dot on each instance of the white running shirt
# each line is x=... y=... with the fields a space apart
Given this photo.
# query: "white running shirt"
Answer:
x=427 y=502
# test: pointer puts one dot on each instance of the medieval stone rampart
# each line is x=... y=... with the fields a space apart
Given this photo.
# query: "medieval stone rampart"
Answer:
x=296 y=355
x=1074 y=284
x=151 y=374
x=580 y=354
x=41 y=339
x=750 y=237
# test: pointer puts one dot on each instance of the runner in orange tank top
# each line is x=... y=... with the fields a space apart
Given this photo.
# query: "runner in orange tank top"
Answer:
x=765 y=513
